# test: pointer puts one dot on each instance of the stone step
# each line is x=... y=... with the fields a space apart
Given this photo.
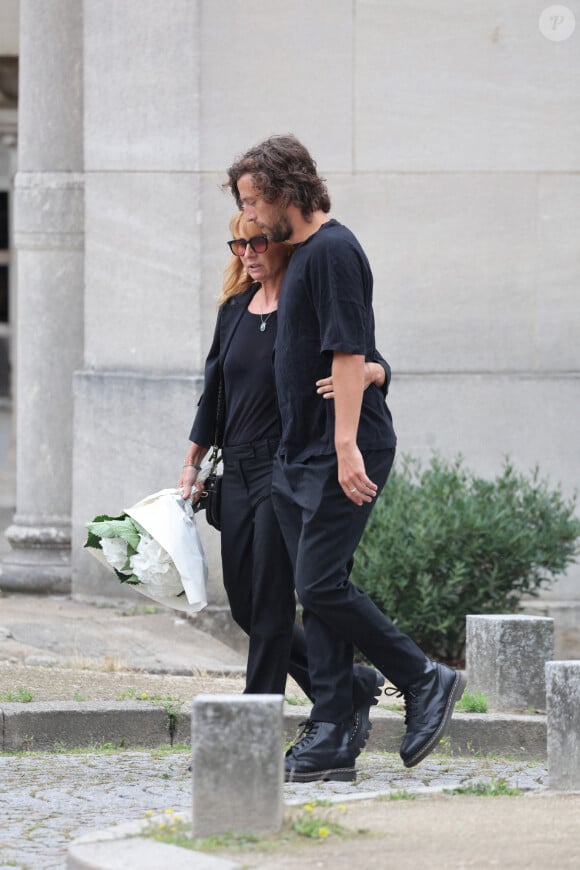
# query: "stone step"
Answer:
x=51 y=725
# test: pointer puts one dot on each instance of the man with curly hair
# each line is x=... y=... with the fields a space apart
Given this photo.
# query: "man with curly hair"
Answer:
x=333 y=461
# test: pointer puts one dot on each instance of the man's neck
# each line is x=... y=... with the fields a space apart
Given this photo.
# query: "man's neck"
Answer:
x=303 y=228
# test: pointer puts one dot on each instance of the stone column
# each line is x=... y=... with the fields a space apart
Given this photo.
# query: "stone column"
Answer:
x=145 y=342
x=49 y=244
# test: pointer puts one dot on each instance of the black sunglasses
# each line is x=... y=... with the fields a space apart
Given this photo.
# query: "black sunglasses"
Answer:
x=258 y=244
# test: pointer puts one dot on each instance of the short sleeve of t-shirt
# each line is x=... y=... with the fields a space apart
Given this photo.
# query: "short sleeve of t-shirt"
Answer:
x=325 y=306
x=341 y=283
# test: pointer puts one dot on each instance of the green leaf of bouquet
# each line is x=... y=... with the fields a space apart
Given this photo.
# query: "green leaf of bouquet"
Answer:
x=105 y=518
x=95 y=534
x=116 y=527
x=132 y=579
x=93 y=541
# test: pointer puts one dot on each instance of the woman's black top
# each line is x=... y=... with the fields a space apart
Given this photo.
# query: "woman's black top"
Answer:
x=250 y=392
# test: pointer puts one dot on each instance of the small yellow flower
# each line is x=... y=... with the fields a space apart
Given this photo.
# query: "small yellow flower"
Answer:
x=323 y=832
x=169 y=810
x=143 y=696
x=309 y=808
x=149 y=812
x=342 y=807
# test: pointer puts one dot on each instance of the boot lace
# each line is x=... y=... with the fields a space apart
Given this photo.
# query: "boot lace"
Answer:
x=410 y=699
x=307 y=734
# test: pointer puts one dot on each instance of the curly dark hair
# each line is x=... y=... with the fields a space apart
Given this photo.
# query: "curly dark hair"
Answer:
x=282 y=170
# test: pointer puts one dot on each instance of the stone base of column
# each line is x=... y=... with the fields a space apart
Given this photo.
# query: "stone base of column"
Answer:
x=40 y=561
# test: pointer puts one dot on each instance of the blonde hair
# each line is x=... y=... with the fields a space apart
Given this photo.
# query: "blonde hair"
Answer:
x=236 y=279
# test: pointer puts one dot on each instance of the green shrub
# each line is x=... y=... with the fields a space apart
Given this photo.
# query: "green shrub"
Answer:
x=442 y=543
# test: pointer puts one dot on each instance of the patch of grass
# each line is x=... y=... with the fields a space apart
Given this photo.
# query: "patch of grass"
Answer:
x=472 y=703
x=169 y=749
x=495 y=788
x=112 y=664
x=172 y=829
x=296 y=700
x=143 y=610
x=401 y=795
x=99 y=748
x=22 y=696
x=316 y=828
x=172 y=706
x=78 y=696
x=444 y=747
x=109 y=664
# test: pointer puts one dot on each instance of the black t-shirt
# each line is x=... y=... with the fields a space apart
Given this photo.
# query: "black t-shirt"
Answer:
x=325 y=306
x=250 y=394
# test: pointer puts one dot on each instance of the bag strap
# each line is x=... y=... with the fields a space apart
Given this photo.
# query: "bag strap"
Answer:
x=215 y=456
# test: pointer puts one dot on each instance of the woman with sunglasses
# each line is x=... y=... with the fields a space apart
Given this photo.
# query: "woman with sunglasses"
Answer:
x=257 y=573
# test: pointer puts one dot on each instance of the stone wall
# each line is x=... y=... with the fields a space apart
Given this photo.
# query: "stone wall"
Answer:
x=449 y=138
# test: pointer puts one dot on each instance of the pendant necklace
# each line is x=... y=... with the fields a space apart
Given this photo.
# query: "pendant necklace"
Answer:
x=264 y=320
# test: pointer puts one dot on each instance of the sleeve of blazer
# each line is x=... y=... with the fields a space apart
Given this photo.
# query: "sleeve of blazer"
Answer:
x=203 y=429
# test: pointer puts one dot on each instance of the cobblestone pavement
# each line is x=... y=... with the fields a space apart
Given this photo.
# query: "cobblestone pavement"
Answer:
x=47 y=800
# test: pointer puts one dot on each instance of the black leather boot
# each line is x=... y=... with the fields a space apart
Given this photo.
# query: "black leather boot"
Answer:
x=429 y=704
x=322 y=752
x=361 y=720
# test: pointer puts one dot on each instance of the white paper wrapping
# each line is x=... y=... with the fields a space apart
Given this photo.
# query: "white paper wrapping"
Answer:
x=170 y=521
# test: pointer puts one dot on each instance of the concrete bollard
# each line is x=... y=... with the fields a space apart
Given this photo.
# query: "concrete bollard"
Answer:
x=505 y=659
x=237 y=765
x=563 y=724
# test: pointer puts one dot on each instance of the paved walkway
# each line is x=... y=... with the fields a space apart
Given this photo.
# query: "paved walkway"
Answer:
x=47 y=800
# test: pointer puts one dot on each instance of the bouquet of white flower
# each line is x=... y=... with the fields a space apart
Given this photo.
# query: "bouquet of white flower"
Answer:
x=155 y=547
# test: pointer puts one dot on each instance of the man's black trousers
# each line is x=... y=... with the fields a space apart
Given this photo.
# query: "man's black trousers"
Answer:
x=322 y=529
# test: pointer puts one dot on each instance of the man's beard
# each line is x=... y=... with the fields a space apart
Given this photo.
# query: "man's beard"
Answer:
x=281 y=230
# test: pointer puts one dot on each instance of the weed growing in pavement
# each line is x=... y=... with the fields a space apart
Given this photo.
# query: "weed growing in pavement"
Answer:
x=443 y=747
x=78 y=696
x=172 y=705
x=112 y=664
x=169 y=749
x=21 y=696
x=310 y=824
x=171 y=828
x=400 y=795
x=494 y=788
x=472 y=703
x=108 y=665
x=100 y=749
x=296 y=700
x=147 y=610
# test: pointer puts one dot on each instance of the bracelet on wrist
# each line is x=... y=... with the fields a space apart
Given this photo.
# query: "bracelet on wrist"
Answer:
x=192 y=465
